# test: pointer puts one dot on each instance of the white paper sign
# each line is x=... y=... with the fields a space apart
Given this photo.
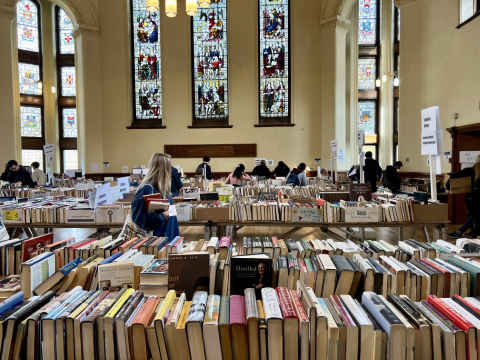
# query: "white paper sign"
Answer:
x=317 y=161
x=468 y=157
x=446 y=157
x=329 y=163
x=102 y=195
x=360 y=137
x=258 y=161
x=48 y=149
x=333 y=145
x=432 y=142
x=123 y=186
x=270 y=162
x=341 y=156
x=94 y=167
x=191 y=193
x=137 y=171
x=431 y=119
x=3 y=231
x=172 y=211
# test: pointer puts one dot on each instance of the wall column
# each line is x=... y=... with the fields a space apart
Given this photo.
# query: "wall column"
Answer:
x=89 y=98
x=333 y=85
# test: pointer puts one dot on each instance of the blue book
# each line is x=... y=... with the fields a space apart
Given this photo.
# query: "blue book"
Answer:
x=111 y=258
x=65 y=305
x=11 y=302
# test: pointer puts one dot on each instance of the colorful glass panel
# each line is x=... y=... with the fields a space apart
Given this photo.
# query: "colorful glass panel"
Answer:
x=147 y=61
x=65 y=33
x=366 y=74
x=28 y=77
x=210 y=65
x=31 y=121
x=67 y=74
x=27 y=25
x=29 y=156
x=367 y=22
x=367 y=120
x=274 y=58
x=70 y=159
x=69 y=122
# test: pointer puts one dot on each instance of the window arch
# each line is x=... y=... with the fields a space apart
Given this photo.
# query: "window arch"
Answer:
x=274 y=61
x=210 y=65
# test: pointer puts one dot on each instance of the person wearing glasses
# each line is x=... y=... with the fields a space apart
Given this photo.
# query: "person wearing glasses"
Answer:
x=21 y=175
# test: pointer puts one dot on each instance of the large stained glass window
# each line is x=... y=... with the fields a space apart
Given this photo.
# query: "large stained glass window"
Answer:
x=366 y=73
x=31 y=121
x=29 y=156
x=210 y=65
x=28 y=78
x=274 y=58
x=70 y=159
x=367 y=120
x=65 y=33
x=67 y=74
x=367 y=22
x=27 y=26
x=147 y=61
x=69 y=122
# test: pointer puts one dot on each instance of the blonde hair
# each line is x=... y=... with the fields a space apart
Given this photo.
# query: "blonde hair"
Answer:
x=159 y=173
x=476 y=168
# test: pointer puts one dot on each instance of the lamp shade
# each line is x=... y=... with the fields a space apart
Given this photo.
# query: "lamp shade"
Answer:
x=152 y=5
x=171 y=8
x=191 y=7
x=204 y=3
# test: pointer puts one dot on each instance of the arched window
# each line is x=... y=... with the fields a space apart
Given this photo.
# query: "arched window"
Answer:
x=67 y=111
x=147 y=69
x=210 y=65
x=30 y=82
x=274 y=62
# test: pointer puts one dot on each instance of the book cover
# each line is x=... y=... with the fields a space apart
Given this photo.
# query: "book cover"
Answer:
x=255 y=271
x=197 y=308
x=30 y=246
x=115 y=275
x=188 y=273
x=158 y=267
x=212 y=312
x=9 y=285
x=237 y=310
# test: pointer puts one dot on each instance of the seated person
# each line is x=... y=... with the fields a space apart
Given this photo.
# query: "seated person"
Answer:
x=262 y=170
x=237 y=177
x=391 y=179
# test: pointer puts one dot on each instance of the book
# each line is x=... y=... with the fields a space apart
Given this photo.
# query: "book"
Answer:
x=274 y=318
x=238 y=327
x=251 y=313
x=211 y=335
x=188 y=273
x=290 y=323
x=250 y=271
x=139 y=324
x=194 y=325
x=115 y=275
x=9 y=286
x=224 y=328
x=30 y=246
x=156 y=273
x=35 y=271
x=58 y=276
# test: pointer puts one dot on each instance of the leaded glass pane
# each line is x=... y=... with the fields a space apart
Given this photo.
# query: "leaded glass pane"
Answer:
x=366 y=74
x=367 y=120
x=65 y=33
x=274 y=58
x=147 y=61
x=27 y=25
x=367 y=22
x=67 y=74
x=28 y=77
x=70 y=159
x=29 y=156
x=210 y=66
x=31 y=121
x=69 y=122
x=398 y=24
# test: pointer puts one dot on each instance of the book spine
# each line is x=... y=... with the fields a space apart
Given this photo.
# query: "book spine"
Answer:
x=300 y=311
x=237 y=310
x=212 y=310
x=224 y=311
x=456 y=318
x=70 y=266
x=250 y=303
x=285 y=302
x=270 y=303
x=145 y=314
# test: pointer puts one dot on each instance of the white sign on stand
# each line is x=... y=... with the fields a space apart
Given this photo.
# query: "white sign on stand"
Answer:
x=360 y=138
x=432 y=144
x=431 y=119
x=48 y=149
x=102 y=195
x=123 y=185
x=341 y=155
x=3 y=232
x=333 y=145
x=360 y=143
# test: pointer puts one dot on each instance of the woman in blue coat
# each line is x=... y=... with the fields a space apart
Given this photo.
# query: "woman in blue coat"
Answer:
x=157 y=180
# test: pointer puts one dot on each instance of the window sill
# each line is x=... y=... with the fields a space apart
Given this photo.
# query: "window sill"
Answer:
x=272 y=121
x=273 y=125
x=210 y=123
x=210 y=127
x=474 y=16
x=147 y=124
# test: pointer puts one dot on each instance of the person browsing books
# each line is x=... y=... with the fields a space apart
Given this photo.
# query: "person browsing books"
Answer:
x=237 y=177
x=157 y=180
x=391 y=178
x=262 y=170
x=281 y=170
x=204 y=168
x=297 y=176
x=38 y=175
x=22 y=176
x=372 y=171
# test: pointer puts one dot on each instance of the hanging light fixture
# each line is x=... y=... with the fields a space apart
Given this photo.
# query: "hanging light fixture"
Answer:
x=152 y=5
x=40 y=85
x=191 y=7
x=54 y=89
x=171 y=8
x=204 y=3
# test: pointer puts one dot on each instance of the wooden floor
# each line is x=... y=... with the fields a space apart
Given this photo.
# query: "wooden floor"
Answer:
x=192 y=233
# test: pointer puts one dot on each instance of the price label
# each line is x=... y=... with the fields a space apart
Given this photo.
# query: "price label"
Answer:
x=11 y=215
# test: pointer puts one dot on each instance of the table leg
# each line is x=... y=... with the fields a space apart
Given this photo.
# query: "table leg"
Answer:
x=400 y=233
x=444 y=230
x=412 y=234
x=436 y=234
x=362 y=234
x=425 y=234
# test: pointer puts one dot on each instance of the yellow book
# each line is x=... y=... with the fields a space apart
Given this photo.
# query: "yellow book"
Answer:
x=113 y=311
x=183 y=317
x=166 y=304
x=261 y=312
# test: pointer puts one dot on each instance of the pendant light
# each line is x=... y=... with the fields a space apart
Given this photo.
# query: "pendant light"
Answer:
x=191 y=7
x=204 y=3
x=40 y=85
x=152 y=5
x=171 y=8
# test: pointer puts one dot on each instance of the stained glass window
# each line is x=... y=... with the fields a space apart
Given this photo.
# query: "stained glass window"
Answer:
x=27 y=25
x=274 y=58
x=367 y=120
x=69 y=122
x=367 y=22
x=210 y=65
x=29 y=156
x=398 y=24
x=28 y=77
x=366 y=74
x=31 y=121
x=147 y=61
x=67 y=74
x=70 y=159
x=65 y=33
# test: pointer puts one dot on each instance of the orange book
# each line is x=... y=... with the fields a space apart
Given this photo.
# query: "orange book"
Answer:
x=140 y=243
x=128 y=244
x=143 y=319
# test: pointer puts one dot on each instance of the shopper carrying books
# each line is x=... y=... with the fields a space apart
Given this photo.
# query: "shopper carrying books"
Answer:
x=391 y=179
x=38 y=175
x=22 y=176
x=372 y=171
x=281 y=170
x=237 y=177
x=262 y=170
x=157 y=181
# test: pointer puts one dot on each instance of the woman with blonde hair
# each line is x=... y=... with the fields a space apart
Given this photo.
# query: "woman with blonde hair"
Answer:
x=157 y=180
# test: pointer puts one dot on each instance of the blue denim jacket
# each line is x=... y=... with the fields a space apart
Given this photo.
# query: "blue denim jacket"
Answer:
x=153 y=222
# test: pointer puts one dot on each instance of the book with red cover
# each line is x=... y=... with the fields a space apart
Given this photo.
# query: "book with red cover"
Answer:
x=290 y=323
x=472 y=309
x=59 y=244
x=140 y=322
x=301 y=313
x=30 y=246
x=238 y=327
x=346 y=318
x=286 y=303
x=237 y=310
x=441 y=269
x=140 y=243
x=128 y=244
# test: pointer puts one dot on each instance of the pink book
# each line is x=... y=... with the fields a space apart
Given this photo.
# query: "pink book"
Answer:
x=275 y=241
x=224 y=242
x=237 y=310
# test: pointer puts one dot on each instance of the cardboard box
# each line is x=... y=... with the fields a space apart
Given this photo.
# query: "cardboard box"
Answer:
x=460 y=185
x=431 y=212
x=362 y=214
x=12 y=216
x=110 y=215
x=307 y=214
x=86 y=216
x=213 y=213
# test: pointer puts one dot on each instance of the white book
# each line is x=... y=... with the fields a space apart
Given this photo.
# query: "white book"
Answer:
x=274 y=318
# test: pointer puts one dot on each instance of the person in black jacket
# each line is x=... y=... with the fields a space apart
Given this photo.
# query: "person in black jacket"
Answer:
x=7 y=175
x=262 y=170
x=176 y=182
x=372 y=170
x=204 y=166
x=391 y=178
x=281 y=170
x=22 y=176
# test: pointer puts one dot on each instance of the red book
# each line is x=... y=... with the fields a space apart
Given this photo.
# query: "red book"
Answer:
x=140 y=322
x=30 y=246
x=224 y=242
x=127 y=245
x=59 y=244
x=275 y=241
x=290 y=323
x=301 y=314
x=441 y=269
x=238 y=327
x=237 y=310
x=144 y=316
x=81 y=243
x=140 y=243
x=301 y=265
x=285 y=302
x=458 y=298
x=337 y=303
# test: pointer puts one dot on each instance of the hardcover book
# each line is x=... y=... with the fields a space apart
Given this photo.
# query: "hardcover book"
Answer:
x=251 y=271
x=188 y=273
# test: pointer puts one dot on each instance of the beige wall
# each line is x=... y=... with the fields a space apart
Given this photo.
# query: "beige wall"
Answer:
x=439 y=65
